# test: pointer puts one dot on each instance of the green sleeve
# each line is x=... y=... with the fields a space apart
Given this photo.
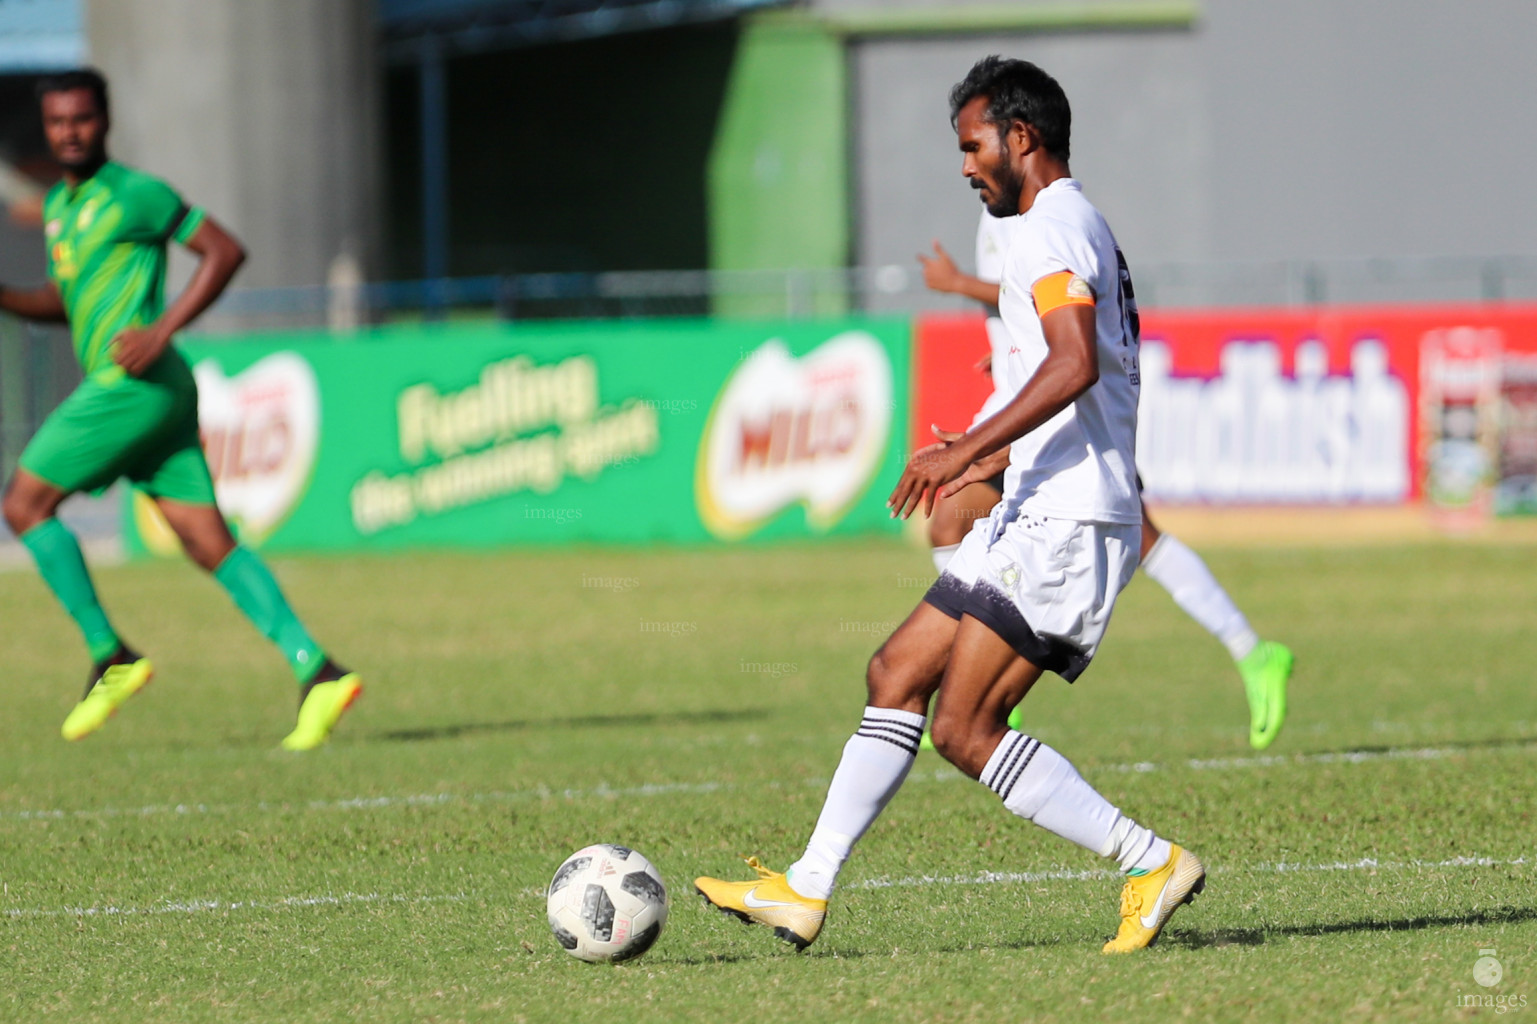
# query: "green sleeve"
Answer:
x=193 y=220
x=152 y=210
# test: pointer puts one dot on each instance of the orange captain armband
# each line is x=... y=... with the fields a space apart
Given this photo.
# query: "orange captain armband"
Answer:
x=1063 y=288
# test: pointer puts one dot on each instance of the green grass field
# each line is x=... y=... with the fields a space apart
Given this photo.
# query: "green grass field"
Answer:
x=178 y=867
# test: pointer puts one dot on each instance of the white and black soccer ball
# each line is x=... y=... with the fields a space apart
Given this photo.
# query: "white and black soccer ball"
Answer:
x=606 y=903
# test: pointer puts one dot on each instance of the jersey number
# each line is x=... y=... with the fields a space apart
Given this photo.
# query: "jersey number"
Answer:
x=1129 y=318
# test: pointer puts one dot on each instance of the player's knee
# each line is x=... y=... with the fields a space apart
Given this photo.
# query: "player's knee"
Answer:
x=206 y=552
x=887 y=685
x=941 y=530
x=956 y=742
x=962 y=740
x=946 y=737
x=21 y=512
x=949 y=524
x=12 y=514
x=877 y=676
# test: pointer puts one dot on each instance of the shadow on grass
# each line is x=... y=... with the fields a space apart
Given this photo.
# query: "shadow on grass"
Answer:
x=1181 y=939
x=1258 y=936
x=448 y=732
x=1495 y=743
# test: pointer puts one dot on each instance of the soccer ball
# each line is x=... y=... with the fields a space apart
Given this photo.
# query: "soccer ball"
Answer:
x=606 y=904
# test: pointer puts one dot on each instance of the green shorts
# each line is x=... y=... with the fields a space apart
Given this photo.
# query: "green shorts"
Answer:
x=111 y=426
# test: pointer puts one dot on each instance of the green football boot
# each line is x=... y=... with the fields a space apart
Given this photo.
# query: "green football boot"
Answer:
x=112 y=682
x=1265 y=671
x=321 y=708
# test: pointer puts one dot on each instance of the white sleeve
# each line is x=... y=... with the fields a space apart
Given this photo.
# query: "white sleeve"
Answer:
x=1051 y=247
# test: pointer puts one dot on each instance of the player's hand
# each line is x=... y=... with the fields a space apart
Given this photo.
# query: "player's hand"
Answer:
x=137 y=348
x=939 y=271
x=929 y=469
x=984 y=365
x=981 y=471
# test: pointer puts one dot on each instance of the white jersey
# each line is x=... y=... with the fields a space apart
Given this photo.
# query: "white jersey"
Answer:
x=993 y=237
x=1080 y=464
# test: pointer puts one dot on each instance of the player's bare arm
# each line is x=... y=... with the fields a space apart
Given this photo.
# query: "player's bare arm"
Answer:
x=1070 y=368
x=43 y=303
x=137 y=348
x=941 y=274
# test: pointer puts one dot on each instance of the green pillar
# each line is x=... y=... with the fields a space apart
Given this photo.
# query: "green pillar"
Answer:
x=778 y=175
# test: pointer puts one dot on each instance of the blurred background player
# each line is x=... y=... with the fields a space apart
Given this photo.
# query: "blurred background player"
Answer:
x=134 y=415
x=1264 y=665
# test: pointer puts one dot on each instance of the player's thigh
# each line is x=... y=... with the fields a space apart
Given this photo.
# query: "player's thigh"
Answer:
x=174 y=467
x=983 y=681
x=97 y=433
x=176 y=476
x=174 y=472
x=907 y=668
x=954 y=516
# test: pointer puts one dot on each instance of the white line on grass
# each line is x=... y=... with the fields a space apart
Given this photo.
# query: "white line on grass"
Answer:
x=204 y=906
x=606 y=792
x=911 y=881
x=1280 y=868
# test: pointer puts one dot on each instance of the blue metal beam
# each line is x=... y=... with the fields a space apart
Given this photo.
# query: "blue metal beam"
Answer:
x=434 y=131
x=479 y=26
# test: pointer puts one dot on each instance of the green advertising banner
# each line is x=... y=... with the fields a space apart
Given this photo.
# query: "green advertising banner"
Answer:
x=487 y=434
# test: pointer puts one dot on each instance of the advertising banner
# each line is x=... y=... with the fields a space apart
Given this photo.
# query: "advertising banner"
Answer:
x=488 y=434
x=1315 y=406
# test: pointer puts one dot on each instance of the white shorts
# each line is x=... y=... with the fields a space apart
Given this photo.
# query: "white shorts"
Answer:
x=1046 y=586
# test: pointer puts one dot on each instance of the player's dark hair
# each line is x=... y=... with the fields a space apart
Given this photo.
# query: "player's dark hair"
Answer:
x=1017 y=90
x=80 y=78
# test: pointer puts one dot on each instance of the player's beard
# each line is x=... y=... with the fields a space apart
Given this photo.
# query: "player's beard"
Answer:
x=1005 y=190
x=87 y=165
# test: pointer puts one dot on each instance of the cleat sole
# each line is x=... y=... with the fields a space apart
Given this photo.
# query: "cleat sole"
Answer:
x=1189 y=898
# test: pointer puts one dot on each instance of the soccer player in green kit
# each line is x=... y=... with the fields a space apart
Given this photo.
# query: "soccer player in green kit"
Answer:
x=134 y=415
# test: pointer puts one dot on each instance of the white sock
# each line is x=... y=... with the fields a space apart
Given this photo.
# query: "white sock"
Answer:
x=1181 y=572
x=1040 y=784
x=875 y=761
x=942 y=555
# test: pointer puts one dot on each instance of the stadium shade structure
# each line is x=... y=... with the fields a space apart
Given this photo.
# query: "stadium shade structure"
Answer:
x=427 y=32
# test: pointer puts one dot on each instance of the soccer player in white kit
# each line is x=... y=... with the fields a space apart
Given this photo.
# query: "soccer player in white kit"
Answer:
x=1264 y=665
x=1032 y=587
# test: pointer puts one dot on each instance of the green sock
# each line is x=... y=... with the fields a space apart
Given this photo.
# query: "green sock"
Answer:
x=257 y=594
x=63 y=568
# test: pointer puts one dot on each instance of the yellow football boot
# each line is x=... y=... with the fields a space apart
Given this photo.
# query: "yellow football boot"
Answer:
x=1148 y=901
x=115 y=683
x=321 y=710
x=767 y=901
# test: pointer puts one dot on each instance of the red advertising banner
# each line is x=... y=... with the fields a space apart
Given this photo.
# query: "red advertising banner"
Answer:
x=1371 y=404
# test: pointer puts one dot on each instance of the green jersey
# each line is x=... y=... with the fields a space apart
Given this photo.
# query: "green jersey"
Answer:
x=106 y=240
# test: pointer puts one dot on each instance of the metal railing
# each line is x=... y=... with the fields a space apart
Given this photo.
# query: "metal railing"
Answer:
x=897 y=289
